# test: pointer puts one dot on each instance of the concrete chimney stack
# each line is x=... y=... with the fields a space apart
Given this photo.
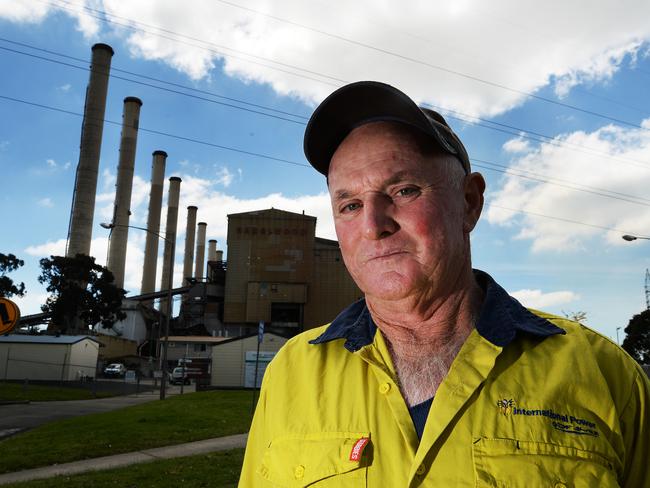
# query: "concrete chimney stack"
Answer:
x=199 y=268
x=83 y=200
x=219 y=256
x=212 y=250
x=153 y=222
x=123 y=189
x=189 y=244
x=170 y=234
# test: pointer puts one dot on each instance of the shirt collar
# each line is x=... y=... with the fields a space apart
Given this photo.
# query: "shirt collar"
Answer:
x=502 y=317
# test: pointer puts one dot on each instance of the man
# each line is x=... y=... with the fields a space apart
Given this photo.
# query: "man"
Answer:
x=437 y=378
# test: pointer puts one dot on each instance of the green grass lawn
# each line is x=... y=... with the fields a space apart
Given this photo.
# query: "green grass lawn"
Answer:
x=41 y=393
x=181 y=418
x=215 y=470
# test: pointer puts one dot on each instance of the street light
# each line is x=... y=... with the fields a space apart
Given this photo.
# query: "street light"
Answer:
x=631 y=238
x=617 y=341
x=172 y=246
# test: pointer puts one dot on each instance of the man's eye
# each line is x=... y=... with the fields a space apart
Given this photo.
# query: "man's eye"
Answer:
x=407 y=192
x=350 y=207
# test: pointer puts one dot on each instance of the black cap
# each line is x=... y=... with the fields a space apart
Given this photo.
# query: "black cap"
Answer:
x=363 y=102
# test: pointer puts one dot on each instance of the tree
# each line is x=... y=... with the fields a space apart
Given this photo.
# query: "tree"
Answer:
x=637 y=337
x=83 y=293
x=9 y=263
x=578 y=316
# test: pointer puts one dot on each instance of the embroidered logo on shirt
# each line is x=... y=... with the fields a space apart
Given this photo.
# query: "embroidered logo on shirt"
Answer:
x=357 y=449
x=568 y=424
x=505 y=405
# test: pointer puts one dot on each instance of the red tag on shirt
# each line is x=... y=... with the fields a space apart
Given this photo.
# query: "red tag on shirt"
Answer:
x=357 y=449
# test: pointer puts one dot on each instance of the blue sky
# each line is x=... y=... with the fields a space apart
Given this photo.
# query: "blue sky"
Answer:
x=555 y=113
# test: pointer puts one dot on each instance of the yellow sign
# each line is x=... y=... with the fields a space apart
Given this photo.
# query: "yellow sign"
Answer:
x=9 y=315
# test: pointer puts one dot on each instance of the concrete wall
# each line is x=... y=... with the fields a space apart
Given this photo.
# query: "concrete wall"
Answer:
x=229 y=359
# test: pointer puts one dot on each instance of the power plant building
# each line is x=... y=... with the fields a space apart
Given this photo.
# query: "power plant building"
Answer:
x=279 y=272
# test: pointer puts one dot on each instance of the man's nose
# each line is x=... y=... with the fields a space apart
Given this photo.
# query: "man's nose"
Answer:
x=378 y=221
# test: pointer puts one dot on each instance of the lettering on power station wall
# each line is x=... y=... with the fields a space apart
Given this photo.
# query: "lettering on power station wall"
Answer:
x=267 y=231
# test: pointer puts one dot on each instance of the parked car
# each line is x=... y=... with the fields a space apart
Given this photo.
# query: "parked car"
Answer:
x=179 y=375
x=115 y=369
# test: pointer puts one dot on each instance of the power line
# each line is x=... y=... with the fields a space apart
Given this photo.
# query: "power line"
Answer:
x=161 y=133
x=433 y=66
x=294 y=163
x=546 y=139
x=104 y=18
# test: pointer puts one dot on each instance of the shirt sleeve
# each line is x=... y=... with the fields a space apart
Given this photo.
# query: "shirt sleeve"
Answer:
x=256 y=443
x=635 y=425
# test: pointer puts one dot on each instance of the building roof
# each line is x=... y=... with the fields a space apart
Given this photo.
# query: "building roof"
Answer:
x=44 y=339
x=196 y=339
x=248 y=336
x=273 y=212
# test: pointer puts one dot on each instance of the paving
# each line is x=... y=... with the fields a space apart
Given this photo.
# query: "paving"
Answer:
x=16 y=418
x=127 y=459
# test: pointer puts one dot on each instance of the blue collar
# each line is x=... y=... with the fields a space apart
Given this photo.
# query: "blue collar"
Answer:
x=501 y=319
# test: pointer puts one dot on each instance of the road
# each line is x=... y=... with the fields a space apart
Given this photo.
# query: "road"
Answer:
x=18 y=417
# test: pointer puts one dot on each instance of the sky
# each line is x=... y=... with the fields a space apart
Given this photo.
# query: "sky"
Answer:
x=551 y=100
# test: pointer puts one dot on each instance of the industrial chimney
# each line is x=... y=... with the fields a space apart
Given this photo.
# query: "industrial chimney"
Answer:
x=123 y=189
x=153 y=222
x=200 y=251
x=85 y=186
x=212 y=250
x=170 y=235
x=190 y=232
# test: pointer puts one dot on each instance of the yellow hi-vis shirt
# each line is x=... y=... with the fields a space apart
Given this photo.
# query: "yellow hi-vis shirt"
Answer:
x=531 y=400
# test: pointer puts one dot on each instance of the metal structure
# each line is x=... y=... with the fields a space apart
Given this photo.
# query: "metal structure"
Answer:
x=123 y=189
x=85 y=186
x=153 y=222
x=190 y=233
x=647 y=289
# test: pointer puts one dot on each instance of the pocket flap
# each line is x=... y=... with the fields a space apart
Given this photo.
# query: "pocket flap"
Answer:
x=301 y=460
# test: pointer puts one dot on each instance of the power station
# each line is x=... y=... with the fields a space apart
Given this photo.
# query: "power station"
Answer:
x=277 y=273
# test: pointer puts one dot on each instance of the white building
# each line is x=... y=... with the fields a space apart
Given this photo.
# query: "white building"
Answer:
x=233 y=360
x=43 y=357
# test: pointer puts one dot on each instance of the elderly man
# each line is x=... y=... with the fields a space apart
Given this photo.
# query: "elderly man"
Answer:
x=437 y=378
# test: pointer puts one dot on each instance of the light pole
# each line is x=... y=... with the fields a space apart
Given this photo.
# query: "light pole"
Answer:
x=170 y=281
x=617 y=341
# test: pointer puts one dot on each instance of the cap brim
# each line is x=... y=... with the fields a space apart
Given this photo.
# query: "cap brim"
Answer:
x=354 y=105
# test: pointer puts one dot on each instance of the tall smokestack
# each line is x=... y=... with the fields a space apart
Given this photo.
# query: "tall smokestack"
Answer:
x=85 y=186
x=212 y=250
x=170 y=234
x=189 y=244
x=219 y=256
x=153 y=222
x=200 y=251
x=123 y=189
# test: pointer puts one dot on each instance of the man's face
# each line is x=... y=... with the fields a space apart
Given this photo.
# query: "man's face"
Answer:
x=402 y=228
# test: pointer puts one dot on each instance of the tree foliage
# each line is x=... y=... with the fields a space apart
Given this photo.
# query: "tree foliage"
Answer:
x=9 y=263
x=82 y=293
x=637 y=337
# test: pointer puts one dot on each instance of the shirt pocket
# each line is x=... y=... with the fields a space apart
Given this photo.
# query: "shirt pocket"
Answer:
x=322 y=459
x=509 y=463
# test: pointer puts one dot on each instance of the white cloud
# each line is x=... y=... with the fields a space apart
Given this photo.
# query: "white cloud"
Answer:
x=224 y=177
x=46 y=202
x=613 y=164
x=65 y=88
x=522 y=46
x=539 y=300
x=51 y=163
x=50 y=248
x=516 y=145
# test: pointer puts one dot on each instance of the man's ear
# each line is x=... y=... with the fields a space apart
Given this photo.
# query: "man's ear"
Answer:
x=474 y=186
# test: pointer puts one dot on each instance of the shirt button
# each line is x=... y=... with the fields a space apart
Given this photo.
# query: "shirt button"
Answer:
x=559 y=484
x=384 y=388
x=421 y=469
x=299 y=472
